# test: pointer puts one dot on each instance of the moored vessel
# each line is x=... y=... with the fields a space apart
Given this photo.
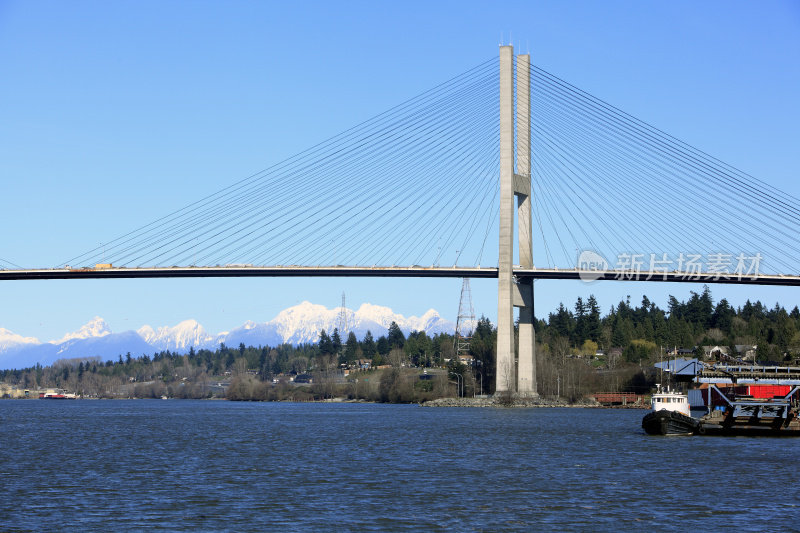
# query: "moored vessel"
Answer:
x=57 y=395
x=670 y=414
x=748 y=415
x=742 y=399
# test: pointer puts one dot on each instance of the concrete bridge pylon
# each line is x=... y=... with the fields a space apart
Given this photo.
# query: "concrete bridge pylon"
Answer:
x=515 y=374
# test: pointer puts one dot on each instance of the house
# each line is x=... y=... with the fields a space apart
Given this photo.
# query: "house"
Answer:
x=746 y=351
x=466 y=360
x=682 y=352
x=364 y=364
x=7 y=391
x=715 y=352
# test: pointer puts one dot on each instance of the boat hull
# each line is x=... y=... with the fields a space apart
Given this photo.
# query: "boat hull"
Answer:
x=665 y=422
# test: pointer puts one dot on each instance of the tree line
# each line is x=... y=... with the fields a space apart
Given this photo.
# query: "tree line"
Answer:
x=579 y=351
x=692 y=324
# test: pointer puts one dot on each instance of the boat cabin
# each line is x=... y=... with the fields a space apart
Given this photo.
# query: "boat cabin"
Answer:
x=671 y=401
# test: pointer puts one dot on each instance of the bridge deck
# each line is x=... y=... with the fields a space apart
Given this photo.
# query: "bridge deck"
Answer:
x=388 y=271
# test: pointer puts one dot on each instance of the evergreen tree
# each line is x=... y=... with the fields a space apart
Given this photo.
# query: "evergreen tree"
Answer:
x=659 y=320
x=418 y=347
x=624 y=308
x=706 y=306
x=593 y=323
x=336 y=341
x=396 y=338
x=747 y=311
x=383 y=346
x=368 y=345
x=325 y=343
x=647 y=330
x=562 y=321
x=263 y=367
x=350 y=348
x=622 y=332
x=579 y=333
x=722 y=317
x=675 y=307
x=484 y=329
x=699 y=354
x=646 y=306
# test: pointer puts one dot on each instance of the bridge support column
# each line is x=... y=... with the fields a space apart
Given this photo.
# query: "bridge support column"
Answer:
x=526 y=366
x=514 y=376
x=505 y=374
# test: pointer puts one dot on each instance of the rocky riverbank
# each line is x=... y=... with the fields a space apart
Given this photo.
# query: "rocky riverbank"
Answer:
x=491 y=401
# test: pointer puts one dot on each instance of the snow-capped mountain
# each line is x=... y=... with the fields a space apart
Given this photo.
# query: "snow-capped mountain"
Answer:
x=96 y=327
x=176 y=338
x=295 y=325
x=9 y=339
x=250 y=334
x=303 y=322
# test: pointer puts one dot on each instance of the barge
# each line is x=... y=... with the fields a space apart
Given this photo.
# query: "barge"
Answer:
x=748 y=415
x=757 y=400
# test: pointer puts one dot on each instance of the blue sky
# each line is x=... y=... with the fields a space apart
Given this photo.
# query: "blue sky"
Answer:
x=114 y=113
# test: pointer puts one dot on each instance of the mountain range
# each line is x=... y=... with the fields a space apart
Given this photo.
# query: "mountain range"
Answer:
x=295 y=325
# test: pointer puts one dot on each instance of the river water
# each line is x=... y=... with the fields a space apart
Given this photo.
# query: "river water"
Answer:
x=183 y=465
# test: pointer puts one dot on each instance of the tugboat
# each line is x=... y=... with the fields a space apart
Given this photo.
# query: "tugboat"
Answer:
x=670 y=414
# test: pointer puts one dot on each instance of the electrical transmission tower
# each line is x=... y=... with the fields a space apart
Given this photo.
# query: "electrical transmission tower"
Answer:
x=342 y=325
x=465 y=324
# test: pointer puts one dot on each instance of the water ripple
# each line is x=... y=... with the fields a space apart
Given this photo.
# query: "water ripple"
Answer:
x=221 y=466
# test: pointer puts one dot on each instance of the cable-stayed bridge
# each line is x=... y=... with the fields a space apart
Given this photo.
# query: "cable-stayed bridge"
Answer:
x=414 y=192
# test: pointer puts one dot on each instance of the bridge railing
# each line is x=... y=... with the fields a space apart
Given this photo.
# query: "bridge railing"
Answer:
x=619 y=398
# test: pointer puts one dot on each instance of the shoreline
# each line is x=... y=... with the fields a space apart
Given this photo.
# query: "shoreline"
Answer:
x=522 y=403
x=535 y=402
